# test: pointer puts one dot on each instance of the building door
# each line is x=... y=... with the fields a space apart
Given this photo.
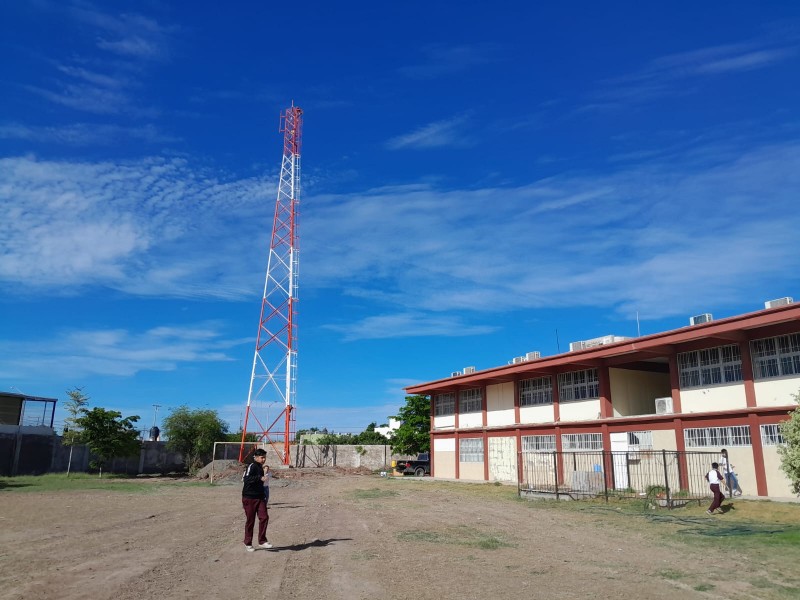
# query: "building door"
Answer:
x=502 y=459
x=619 y=445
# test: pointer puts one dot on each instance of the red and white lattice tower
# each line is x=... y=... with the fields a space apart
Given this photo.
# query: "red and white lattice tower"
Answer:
x=273 y=383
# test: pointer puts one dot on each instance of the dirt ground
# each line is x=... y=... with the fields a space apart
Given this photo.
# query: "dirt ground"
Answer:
x=339 y=535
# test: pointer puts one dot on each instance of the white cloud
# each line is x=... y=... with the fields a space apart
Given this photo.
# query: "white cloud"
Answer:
x=440 y=60
x=408 y=325
x=115 y=352
x=433 y=135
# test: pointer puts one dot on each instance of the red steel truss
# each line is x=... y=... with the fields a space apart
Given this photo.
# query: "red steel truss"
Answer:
x=273 y=382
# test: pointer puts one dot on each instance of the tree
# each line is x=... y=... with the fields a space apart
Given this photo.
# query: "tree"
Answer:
x=108 y=435
x=413 y=435
x=77 y=401
x=193 y=433
x=790 y=450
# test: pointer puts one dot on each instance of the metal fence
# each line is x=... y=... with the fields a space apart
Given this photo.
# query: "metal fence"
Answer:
x=667 y=478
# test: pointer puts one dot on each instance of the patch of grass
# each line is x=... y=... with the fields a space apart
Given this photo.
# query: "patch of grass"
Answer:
x=672 y=574
x=458 y=536
x=373 y=493
x=59 y=482
x=704 y=587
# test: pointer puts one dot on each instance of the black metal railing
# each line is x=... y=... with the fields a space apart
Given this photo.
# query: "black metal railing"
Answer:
x=666 y=477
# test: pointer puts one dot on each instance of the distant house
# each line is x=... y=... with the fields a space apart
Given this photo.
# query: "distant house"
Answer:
x=708 y=386
x=386 y=432
x=27 y=437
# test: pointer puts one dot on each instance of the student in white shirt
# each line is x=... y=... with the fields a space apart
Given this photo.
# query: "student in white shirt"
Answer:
x=730 y=475
x=714 y=478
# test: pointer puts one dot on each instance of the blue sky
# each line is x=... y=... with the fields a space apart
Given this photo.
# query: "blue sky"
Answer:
x=479 y=181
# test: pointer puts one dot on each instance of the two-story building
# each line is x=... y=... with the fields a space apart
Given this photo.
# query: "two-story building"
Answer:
x=713 y=385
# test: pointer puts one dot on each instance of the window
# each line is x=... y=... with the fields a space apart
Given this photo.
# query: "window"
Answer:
x=700 y=437
x=538 y=443
x=640 y=440
x=771 y=435
x=444 y=404
x=578 y=385
x=581 y=441
x=711 y=366
x=776 y=357
x=470 y=450
x=469 y=401
x=536 y=391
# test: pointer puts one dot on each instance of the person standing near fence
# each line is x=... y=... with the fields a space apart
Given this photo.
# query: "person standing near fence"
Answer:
x=730 y=475
x=254 y=501
x=714 y=478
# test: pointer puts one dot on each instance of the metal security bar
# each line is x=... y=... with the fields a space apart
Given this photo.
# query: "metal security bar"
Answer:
x=667 y=478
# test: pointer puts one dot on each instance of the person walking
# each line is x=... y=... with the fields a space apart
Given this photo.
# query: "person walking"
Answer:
x=730 y=474
x=255 y=502
x=714 y=478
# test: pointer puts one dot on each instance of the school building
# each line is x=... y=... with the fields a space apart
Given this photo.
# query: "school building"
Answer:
x=711 y=385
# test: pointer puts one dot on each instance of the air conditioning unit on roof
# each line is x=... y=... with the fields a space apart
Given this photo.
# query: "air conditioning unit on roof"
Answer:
x=699 y=319
x=664 y=406
x=573 y=346
x=533 y=355
x=778 y=302
x=517 y=360
x=455 y=373
x=468 y=370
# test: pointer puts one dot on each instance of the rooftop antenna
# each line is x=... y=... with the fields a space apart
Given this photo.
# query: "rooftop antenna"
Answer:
x=558 y=344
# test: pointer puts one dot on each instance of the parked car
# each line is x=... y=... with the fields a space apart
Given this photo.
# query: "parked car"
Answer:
x=420 y=466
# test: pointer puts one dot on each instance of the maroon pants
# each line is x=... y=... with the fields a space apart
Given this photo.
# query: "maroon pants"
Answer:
x=253 y=507
x=718 y=497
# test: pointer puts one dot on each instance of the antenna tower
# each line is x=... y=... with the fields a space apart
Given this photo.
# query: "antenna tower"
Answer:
x=273 y=382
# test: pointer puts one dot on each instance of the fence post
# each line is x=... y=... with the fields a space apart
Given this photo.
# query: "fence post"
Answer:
x=666 y=478
x=605 y=479
x=555 y=472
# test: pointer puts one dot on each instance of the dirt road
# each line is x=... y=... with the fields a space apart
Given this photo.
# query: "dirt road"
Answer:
x=348 y=537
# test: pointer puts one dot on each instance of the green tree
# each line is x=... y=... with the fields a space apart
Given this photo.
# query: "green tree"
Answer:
x=108 y=435
x=790 y=450
x=413 y=435
x=193 y=433
x=77 y=401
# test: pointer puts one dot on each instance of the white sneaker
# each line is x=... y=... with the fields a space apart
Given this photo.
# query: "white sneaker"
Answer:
x=249 y=548
x=265 y=545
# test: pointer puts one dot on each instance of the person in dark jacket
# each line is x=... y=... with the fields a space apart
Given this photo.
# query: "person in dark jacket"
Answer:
x=254 y=502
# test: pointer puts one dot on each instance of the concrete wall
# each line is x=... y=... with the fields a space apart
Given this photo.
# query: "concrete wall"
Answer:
x=444 y=422
x=777 y=392
x=38 y=450
x=541 y=413
x=473 y=419
x=370 y=457
x=719 y=397
x=444 y=457
x=500 y=404
x=503 y=459
x=777 y=483
x=580 y=410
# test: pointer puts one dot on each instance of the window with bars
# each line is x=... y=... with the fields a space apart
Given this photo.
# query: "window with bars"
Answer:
x=776 y=356
x=702 y=437
x=469 y=401
x=640 y=440
x=538 y=443
x=470 y=450
x=578 y=385
x=711 y=366
x=771 y=435
x=581 y=441
x=536 y=391
x=444 y=404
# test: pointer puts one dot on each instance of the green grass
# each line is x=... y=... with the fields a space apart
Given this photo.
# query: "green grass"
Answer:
x=59 y=482
x=457 y=536
x=372 y=494
x=704 y=587
x=671 y=574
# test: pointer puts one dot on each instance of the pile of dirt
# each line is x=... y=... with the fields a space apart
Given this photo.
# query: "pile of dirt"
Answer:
x=307 y=472
x=223 y=470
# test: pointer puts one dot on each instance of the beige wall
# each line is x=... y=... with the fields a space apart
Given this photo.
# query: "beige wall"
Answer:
x=634 y=392
x=444 y=457
x=719 y=397
x=502 y=459
x=446 y=422
x=664 y=440
x=470 y=420
x=470 y=470
x=777 y=483
x=777 y=392
x=500 y=404
x=582 y=410
x=542 y=413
